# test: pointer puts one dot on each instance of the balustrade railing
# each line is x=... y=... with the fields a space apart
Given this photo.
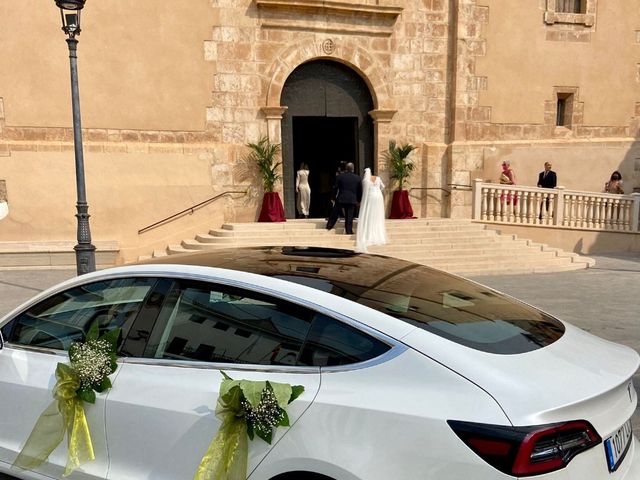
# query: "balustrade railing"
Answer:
x=558 y=206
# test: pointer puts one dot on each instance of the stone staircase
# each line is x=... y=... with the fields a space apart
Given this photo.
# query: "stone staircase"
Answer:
x=457 y=246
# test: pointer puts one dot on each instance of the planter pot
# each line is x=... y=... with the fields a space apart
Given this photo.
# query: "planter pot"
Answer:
x=400 y=205
x=272 y=209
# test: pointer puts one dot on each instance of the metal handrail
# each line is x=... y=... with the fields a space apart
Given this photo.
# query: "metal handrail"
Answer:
x=189 y=210
x=448 y=192
x=460 y=186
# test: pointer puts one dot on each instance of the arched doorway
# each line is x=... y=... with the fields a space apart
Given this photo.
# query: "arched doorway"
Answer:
x=326 y=122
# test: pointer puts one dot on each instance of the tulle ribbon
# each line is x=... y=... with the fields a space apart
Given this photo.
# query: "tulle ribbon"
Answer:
x=64 y=414
x=226 y=457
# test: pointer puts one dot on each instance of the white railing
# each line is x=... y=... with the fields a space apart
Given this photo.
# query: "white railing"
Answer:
x=558 y=206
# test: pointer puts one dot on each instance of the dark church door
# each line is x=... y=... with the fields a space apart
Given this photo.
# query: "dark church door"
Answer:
x=326 y=123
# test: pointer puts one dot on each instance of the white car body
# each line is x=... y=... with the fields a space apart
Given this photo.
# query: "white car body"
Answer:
x=384 y=418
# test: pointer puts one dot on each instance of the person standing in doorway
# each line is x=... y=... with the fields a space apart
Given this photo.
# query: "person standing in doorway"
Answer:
x=303 y=190
x=347 y=192
x=546 y=179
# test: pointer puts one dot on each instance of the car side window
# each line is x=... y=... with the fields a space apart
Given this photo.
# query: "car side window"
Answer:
x=333 y=343
x=66 y=317
x=214 y=323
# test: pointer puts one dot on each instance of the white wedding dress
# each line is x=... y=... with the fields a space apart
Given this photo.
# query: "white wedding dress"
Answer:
x=371 y=229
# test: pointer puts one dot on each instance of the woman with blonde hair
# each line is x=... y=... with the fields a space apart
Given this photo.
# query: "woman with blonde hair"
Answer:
x=508 y=177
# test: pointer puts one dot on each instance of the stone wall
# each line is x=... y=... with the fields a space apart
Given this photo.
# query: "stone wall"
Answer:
x=168 y=106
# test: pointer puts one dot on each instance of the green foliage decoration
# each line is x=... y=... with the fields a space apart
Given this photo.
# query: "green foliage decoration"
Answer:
x=264 y=154
x=399 y=164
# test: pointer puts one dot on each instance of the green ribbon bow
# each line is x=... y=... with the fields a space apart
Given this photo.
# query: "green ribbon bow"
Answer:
x=64 y=415
x=226 y=457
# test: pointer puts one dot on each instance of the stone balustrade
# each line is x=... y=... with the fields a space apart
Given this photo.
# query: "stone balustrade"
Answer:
x=559 y=207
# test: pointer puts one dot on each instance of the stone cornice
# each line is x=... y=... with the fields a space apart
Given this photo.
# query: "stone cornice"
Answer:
x=360 y=18
x=329 y=6
x=273 y=113
x=382 y=116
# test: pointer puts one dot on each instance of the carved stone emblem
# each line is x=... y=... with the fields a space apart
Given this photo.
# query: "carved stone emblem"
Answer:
x=328 y=46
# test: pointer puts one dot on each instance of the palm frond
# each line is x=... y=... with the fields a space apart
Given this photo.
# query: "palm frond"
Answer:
x=400 y=166
x=263 y=154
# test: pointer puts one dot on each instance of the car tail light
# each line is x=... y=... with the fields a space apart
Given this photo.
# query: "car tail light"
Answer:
x=524 y=451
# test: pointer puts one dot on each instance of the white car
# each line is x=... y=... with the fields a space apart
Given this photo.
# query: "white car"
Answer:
x=409 y=373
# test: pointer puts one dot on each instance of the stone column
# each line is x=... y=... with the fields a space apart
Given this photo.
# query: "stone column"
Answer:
x=381 y=120
x=274 y=131
x=274 y=122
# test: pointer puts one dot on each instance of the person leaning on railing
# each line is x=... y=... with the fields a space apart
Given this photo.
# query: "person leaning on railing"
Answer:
x=614 y=185
x=508 y=177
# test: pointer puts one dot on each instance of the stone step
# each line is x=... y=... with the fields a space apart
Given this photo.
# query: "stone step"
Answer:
x=470 y=264
x=489 y=258
x=230 y=235
x=316 y=223
x=52 y=254
x=458 y=246
x=461 y=252
x=515 y=270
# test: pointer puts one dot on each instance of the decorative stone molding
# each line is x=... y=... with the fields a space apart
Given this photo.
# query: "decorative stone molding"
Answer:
x=274 y=122
x=273 y=113
x=586 y=17
x=382 y=116
x=348 y=52
x=328 y=16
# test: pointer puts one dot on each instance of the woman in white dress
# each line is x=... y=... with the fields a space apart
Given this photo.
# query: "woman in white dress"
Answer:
x=371 y=229
x=303 y=190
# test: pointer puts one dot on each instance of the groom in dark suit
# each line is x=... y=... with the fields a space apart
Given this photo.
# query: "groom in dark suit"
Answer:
x=348 y=193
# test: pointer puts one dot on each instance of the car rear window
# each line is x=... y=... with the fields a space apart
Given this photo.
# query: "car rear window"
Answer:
x=456 y=309
x=443 y=304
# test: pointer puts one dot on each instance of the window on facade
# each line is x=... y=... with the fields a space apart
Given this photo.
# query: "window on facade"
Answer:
x=569 y=6
x=66 y=317
x=564 y=110
x=222 y=324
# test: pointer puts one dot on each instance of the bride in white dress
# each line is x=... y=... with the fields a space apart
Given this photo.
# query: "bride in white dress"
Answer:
x=371 y=229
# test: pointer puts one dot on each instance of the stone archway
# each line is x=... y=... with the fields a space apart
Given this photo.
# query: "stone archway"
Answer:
x=369 y=72
x=347 y=52
x=326 y=122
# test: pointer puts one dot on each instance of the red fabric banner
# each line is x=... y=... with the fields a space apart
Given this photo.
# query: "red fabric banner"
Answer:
x=272 y=209
x=400 y=205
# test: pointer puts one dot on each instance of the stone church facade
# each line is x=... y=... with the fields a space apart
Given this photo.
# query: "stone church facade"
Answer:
x=171 y=93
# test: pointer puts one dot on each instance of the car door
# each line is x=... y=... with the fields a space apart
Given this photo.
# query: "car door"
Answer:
x=36 y=340
x=161 y=414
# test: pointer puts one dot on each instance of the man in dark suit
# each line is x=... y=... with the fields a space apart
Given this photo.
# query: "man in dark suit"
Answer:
x=547 y=179
x=348 y=193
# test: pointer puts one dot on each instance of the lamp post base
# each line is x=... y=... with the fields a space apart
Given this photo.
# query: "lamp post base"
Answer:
x=85 y=258
x=85 y=250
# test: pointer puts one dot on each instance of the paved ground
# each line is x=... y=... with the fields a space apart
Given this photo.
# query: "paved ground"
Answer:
x=604 y=300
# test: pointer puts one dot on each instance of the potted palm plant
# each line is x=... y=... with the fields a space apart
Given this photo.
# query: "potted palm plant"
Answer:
x=264 y=154
x=400 y=167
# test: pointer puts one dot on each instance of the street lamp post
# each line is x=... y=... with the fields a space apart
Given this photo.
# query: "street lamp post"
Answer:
x=85 y=252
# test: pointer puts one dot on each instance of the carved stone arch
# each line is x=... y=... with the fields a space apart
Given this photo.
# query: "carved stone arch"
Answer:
x=346 y=52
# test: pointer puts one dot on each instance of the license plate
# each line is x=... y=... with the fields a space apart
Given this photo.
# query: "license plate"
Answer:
x=616 y=446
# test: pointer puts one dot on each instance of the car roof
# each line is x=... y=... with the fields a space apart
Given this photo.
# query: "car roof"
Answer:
x=320 y=262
